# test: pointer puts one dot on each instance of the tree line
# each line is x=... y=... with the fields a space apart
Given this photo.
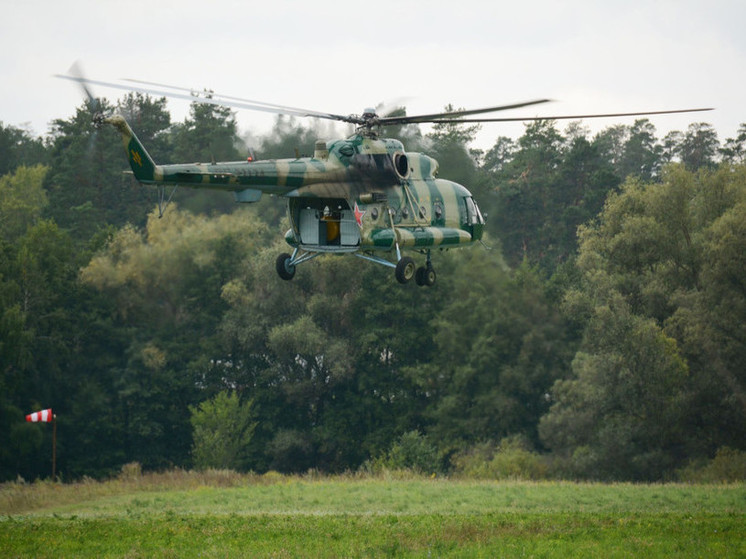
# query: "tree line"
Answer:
x=600 y=333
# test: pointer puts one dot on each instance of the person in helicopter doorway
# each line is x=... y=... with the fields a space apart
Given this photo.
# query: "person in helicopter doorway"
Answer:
x=332 y=226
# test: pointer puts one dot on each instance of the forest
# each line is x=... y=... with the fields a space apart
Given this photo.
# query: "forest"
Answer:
x=598 y=335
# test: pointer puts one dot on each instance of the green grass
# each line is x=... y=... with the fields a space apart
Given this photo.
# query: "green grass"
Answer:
x=222 y=515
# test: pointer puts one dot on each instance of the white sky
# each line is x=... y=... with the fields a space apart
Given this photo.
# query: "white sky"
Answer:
x=342 y=56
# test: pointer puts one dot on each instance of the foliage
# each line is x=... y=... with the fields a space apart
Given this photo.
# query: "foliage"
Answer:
x=508 y=460
x=734 y=149
x=603 y=330
x=699 y=146
x=449 y=143
x=545 y=191
x=18 y=148
x=22 y=200
x=209 y=133
x=728 y=465
x=413 y=452
x=223 y=428
x=85 y=185
x=163 y=289
x=500 y=345
x=659 y=363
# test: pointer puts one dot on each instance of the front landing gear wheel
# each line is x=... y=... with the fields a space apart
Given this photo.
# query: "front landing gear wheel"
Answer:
x=405 y=269
x=425 y=276
x=284 y=269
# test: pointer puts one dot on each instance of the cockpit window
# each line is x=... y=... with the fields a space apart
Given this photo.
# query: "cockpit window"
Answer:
x=474 y=216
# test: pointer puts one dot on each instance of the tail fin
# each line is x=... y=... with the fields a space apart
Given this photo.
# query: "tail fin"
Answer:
x=142 y=164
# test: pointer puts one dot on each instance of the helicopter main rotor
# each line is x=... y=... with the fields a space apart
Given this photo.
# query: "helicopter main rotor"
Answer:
x=368 y=123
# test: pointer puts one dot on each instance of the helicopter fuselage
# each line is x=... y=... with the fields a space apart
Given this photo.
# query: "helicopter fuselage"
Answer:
x=362 y=194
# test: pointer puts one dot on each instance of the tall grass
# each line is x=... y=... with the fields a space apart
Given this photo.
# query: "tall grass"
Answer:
x=19 y=496
x=398 y=492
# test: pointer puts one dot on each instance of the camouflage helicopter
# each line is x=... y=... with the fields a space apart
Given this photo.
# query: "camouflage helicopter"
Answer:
x=363 y=195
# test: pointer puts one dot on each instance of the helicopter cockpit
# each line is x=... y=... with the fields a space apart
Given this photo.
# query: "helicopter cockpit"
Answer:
x=473 y=215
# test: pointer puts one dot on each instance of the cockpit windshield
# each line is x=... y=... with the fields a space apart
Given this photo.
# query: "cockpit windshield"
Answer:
x=473 y=214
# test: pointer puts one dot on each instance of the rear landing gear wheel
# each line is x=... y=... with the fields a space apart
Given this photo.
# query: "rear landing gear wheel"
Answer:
x=284 y=269
x=405 y=269
x=425 y=276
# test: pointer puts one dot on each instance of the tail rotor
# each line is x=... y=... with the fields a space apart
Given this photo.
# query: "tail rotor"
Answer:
x=93 y=102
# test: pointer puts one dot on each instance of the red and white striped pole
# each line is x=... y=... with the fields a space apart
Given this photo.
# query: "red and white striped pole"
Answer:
x=46 y=416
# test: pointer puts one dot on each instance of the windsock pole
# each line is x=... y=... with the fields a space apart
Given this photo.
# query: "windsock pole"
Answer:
x=46 y=416
x=54 y=447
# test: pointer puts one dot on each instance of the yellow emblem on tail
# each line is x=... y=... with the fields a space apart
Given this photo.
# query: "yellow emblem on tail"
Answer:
x=136 y=157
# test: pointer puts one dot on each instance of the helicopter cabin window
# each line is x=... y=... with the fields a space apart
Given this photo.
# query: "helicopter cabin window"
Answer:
x=474 y=216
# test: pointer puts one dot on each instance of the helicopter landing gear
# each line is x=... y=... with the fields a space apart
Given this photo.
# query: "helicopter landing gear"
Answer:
x=405 y=269
x=285 y=269
x=425 y=276
x=287 y=263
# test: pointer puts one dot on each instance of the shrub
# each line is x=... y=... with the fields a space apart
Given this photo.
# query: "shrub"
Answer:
x=131 y=471
x=223 y=428
x=728 y=465
x=412 y=451
x=511 y=459
x=291 y=451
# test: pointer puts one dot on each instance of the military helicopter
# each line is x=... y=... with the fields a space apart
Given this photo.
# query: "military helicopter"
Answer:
x=363 y=195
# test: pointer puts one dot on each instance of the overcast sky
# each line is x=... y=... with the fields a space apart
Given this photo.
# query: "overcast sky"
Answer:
x=341 y=57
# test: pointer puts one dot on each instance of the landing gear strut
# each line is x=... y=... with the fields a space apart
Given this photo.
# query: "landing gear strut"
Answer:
x=404 y=270
x=287 y=263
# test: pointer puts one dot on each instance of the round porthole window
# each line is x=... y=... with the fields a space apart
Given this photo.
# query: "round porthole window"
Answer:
x=438 y=211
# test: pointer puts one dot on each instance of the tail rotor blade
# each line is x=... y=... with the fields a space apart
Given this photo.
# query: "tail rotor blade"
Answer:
x=94 y=103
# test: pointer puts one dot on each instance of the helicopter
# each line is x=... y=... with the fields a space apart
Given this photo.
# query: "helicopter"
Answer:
x=363 y=195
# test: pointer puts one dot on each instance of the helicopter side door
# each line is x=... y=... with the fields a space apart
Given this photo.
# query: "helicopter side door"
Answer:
x=327 y=224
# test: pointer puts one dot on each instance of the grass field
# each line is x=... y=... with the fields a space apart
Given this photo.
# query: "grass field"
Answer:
x=220 y=514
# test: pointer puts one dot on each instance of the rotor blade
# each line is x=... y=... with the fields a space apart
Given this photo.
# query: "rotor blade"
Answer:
x=565 y=117
x=196 y=93
x=209 y=101
x=77 y=72
x=456 y=114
